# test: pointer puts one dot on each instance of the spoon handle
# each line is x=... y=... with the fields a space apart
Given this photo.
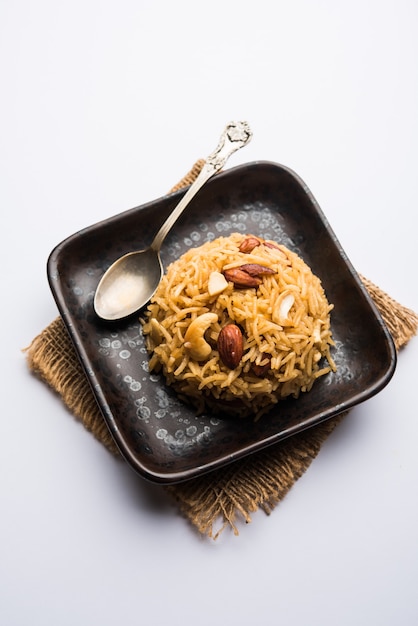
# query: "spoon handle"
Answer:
x=235 y=136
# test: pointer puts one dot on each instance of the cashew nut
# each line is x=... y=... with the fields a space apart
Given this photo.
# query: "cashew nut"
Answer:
x=282 y=307
x=194 y=339
x=217 y=283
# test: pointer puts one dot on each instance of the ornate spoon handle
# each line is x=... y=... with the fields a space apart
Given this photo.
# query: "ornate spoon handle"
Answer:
x=235 y=136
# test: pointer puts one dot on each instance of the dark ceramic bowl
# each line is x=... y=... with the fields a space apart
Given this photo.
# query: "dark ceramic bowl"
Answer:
x=159 y=436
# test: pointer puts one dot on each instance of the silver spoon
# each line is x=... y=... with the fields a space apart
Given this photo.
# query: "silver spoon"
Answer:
x=131 y=281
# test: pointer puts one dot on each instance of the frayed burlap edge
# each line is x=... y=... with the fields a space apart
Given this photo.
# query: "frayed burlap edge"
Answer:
x=189 y=177
x=259 y=481
x=401 y=322
x=51 y=356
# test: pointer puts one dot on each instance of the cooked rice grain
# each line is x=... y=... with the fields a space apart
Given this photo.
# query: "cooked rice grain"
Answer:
x=298 y=346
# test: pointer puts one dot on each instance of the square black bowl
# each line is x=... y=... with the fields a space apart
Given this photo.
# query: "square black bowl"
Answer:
x=159 y=436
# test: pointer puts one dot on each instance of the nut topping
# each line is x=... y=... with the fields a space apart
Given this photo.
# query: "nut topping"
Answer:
x=282 y=308
x=248 y=244
x=253 y=269
x=230 y=345
x=261 y=370
x=276 y=248
x=247 y=275
x=241 y=279
x=194 y=339
x=269 y=244
x=217 y=283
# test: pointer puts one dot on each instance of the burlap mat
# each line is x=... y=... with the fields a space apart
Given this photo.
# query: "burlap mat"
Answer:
x=259 y=481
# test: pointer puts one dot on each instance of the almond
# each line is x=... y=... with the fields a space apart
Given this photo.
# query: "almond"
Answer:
x=249 y=244
x=269 y=244
x=241 y=279
x=261 y=370
x=253 y=269
x=275 y=246
x=230 y=345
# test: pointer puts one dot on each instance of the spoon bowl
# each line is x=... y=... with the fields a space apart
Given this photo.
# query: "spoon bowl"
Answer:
x=131 y=281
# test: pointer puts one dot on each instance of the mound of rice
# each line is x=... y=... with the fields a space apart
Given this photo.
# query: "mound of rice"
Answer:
x=284 y=321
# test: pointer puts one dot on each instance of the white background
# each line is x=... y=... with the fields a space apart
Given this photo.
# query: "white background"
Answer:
x=104 y=106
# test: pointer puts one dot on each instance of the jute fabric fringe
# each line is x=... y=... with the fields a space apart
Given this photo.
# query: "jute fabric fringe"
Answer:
x=259 y=481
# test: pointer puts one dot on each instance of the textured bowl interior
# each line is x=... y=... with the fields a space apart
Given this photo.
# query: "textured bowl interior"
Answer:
x=158 y=435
